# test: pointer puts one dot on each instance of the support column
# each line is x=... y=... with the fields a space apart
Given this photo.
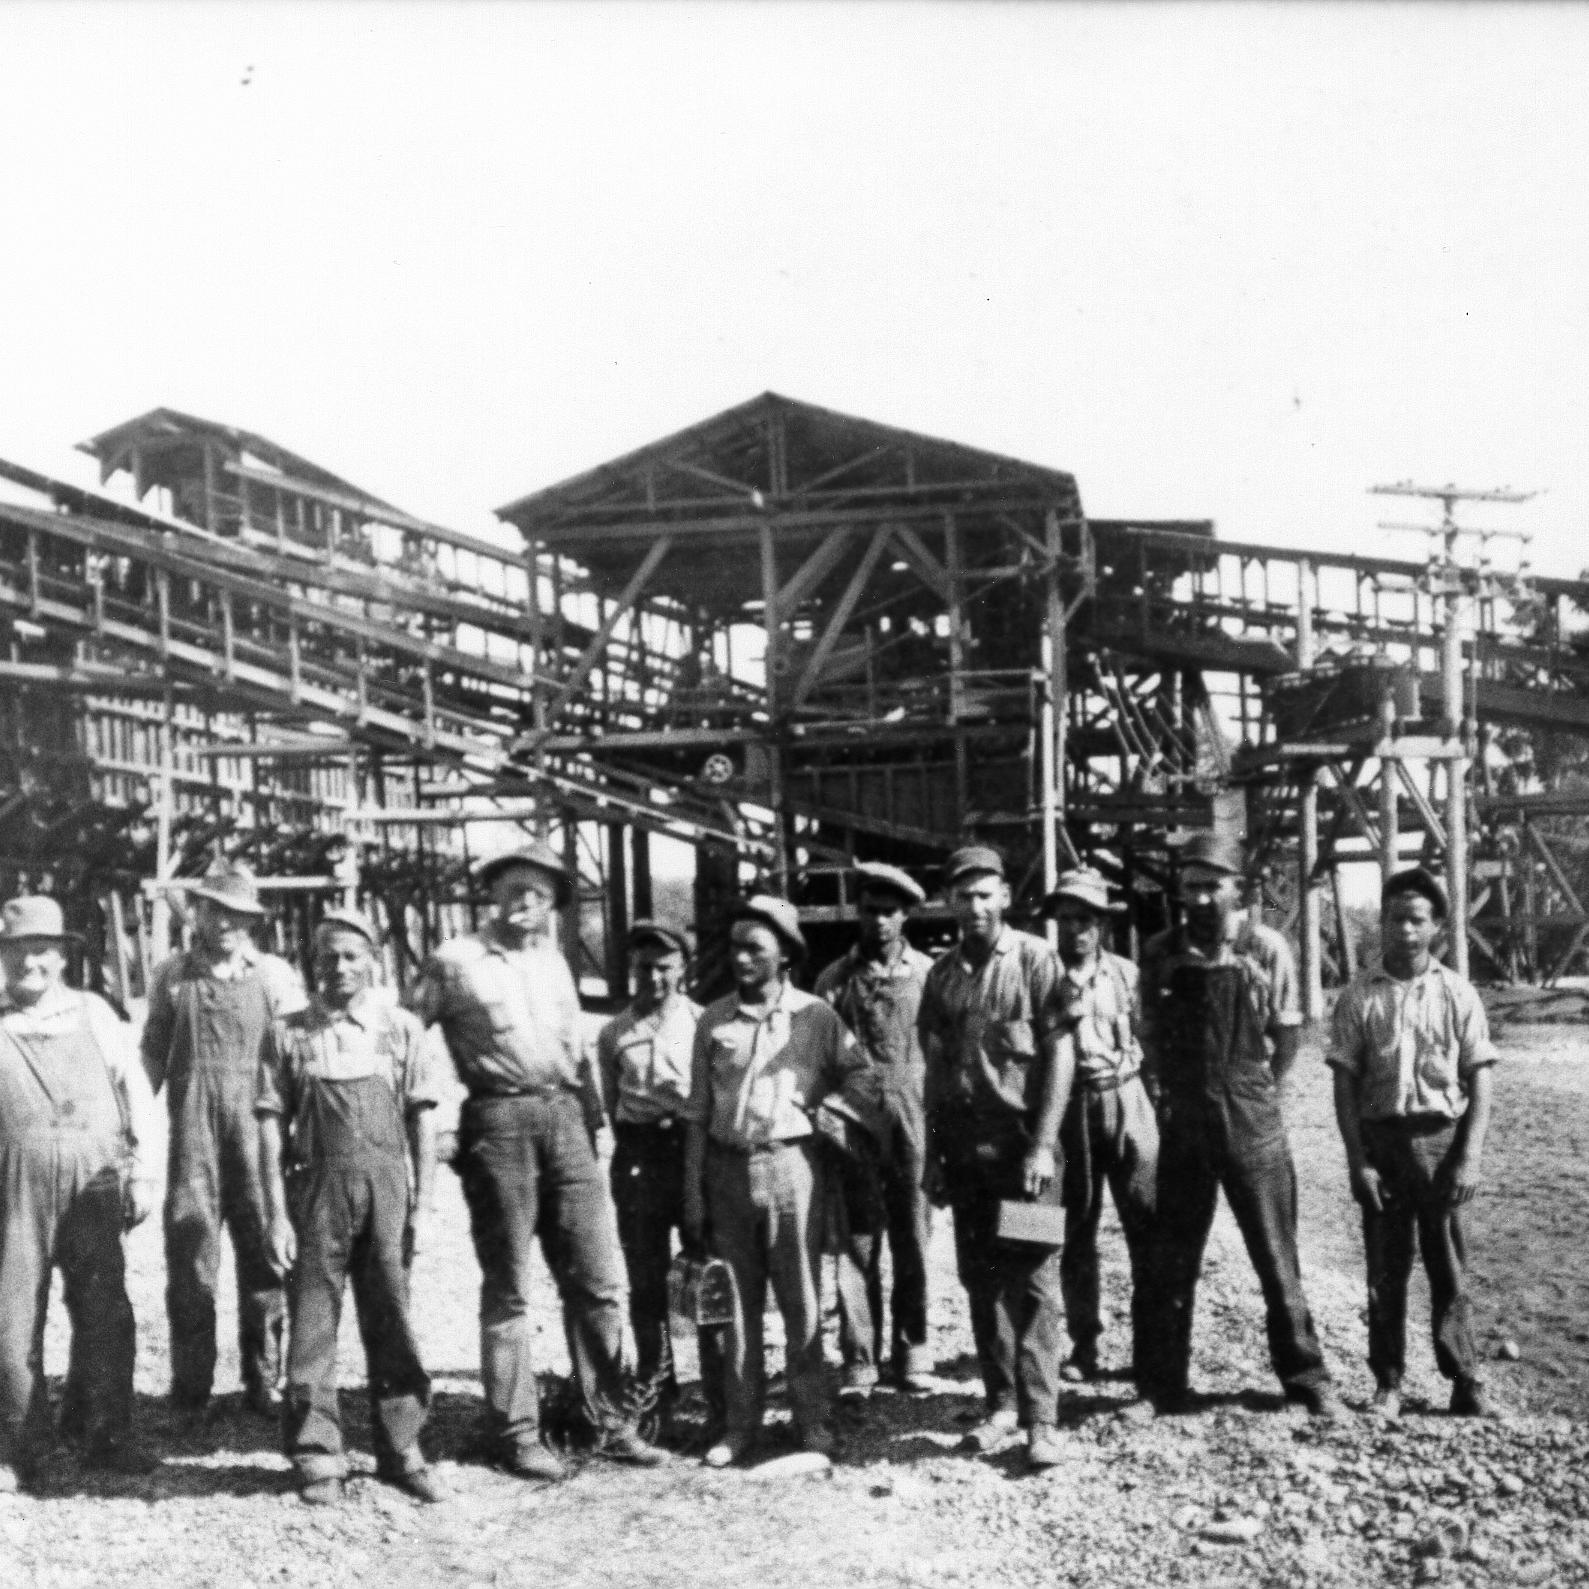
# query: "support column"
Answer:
x=769 y=595
x=640 y=853
x=617 y=934
x=569 y=927
x=1053 y=725
x=1309 y=933
x=951 y=563
x=1456 y=783
x=1389 y=788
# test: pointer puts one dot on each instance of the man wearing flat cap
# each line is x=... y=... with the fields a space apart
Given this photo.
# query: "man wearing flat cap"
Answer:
x=1413 y=1065
x=77 y=1121
x=767 y=1056
x=347 y=1145
x=998 y=1079
x=1221 y=1024
x=876 y=988
x=209 y=1011
x=1110 y=1135
x=508 y=1009
x=644 y=1060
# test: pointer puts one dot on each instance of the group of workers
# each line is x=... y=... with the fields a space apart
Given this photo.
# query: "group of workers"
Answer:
x=1007 y=1080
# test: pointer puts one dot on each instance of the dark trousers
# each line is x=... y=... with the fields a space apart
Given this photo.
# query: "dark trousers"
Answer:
x=765 y=1212
x=1110 y=1138
x=351 y=1219
x=212 y=1181
x=648 y=1192
x=529 y=1171
x=1017 y=1320
x=62 y=1205
x=1412 y=1158
x=1261 y=1186
x=878 y=1201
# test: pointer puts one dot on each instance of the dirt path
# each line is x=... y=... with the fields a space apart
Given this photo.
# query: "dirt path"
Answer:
x=1134 y=1503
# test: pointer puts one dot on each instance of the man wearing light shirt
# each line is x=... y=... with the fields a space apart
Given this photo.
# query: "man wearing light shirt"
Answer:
x=1413 y=1063
x=766 y=1057
x=644 y=1059
x=77 y=1120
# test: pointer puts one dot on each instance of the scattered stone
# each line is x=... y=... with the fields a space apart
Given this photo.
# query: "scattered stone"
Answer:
x=1510 y=1484
x=1509 y=1351
x=1187 y=1517
x=1540 y=1570
x=1478 y=1550
x=1449 y=1538
x=1232 y=1531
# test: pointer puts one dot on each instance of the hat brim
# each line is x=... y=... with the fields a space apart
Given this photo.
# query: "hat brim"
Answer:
x=489 y=871
x=226 y=901
x=40 y=937
x=1105 y=907
x=639 y=937
x=795 y=944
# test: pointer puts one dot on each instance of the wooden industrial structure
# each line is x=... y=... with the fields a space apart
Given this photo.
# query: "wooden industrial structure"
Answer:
x=784 y=637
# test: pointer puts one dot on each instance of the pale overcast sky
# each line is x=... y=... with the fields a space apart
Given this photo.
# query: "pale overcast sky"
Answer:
x=1229 y=262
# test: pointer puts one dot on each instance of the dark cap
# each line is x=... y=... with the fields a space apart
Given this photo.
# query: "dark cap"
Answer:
x=973 y=858
x=778 y=914
x=1218 y=852
x=350 y=921
x=539 y=855
x=646 y=930
x=1417 y=880
x=879 y=876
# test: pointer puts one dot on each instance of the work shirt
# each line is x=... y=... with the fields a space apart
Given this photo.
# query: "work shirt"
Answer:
x=647 y=1062
x=985 y=1027
x=1260 y=954
x=57 y=1014
x=1412 y=1045
x=371 y=1038
x=177 y=1039
x=1098 y=1005
x=880 y=1002
x=759 y=1074
x=510 y=1017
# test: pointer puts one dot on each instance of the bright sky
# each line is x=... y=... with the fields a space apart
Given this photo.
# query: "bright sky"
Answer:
x=1236 y=263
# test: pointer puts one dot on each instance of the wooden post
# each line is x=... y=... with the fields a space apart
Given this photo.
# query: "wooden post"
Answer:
x=570 y=925
x=1456 y=761
x=769 y=593
x=160 y=908
x=1389 y=787
x=957 y=662
x=1309 y=933
x=617 y=935
x=640 y=848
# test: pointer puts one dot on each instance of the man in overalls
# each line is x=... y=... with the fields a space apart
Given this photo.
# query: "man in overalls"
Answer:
x=345 y=1106
x=209 y=1010
x=876 y=987
x=644 y=1059
x=76 y=1122
x=1218 y=992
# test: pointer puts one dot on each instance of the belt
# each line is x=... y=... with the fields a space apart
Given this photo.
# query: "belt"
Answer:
x=663 y=1123
x=1108 y=1083
x=554 y=1089
x=755 y=1149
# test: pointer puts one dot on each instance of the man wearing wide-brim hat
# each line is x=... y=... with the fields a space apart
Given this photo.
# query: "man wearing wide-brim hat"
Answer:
x=209 y=1010
x=876 y=987
x=508 y=1009
x=77 y=1124
x=1110 y=1135
x=766 y=1057
x=1221 y=1024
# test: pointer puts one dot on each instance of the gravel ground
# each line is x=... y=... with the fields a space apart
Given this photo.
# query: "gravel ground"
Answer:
x=1242 y=1492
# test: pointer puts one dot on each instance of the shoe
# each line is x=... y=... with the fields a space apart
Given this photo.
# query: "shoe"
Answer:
x=421 y=1483
x=1080 y=1368
x=534 y=1462
x=1174 y=1403
x=992 y=1432
x=1043 y=1449
x=1323 y=1403
x=124 y=1457
x=1469 y=1399
x=1387 y=1403
x=724 y=1454
x=859 y=1379
x=819 y=1441
x=913 y=1384
x=10 y=1482
x=627 y=1446
x=321 y=1492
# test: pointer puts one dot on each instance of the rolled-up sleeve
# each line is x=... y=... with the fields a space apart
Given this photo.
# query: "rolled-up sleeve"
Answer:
x=698 y=1110
x=1285 y=992
x=421 y=1081
x=1475 y=1049
x=131 y=1084
x=1347 y=1046
x=271 y=1084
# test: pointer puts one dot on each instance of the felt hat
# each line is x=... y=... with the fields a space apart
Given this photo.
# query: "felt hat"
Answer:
x=32 y=916
x=1417 y=880
x=778 y=914
x=1218 y=852
x=1087 y=887
x=538 y=854
x=231 y=884
x=649 y=930
x=352 y=921
x=892 y=879
x=973 y=858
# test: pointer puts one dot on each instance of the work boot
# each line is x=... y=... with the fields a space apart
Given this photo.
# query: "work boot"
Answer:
x=1043 y=1449
x=859 y=1380
x=627 y=1446
x=321 y=1492
x=1469 y=1399
x=992 y=1432
x=1081 y=1367
x=1323 y=1403
x=421 y=1483
x=534 y=1461
x=10 y=1481
x=726 y=1452
x=819 y=1441
x=1387 y=1403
